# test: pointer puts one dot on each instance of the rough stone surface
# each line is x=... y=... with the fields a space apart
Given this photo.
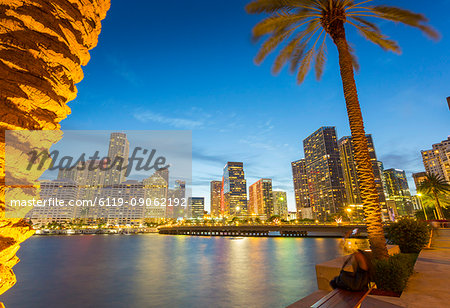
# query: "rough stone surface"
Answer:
x=43 y=45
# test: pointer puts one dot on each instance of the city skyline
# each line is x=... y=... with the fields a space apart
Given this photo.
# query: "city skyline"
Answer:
x=240 y=111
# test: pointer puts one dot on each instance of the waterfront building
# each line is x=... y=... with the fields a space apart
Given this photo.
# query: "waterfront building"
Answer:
x=122 y=203
x=261 y=198
x=215 y=190
x=437 y=160
x=155 y=193
x=300 y=178
x=64 y=190
x=176 y=200
x=399 y=200
x=197 y=205
x=234 y=191
x=280 y=206
x=118 y=152
x=349 y=170
x=324 y=172
x=419 y=177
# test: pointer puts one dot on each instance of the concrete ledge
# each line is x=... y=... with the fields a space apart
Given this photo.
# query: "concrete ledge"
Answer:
x=330 y=269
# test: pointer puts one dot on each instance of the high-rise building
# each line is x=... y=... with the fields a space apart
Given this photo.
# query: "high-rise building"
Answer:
x=437 y=160
x=351 y=179
x=324 y=172
x=419 y=177
x=64 y=190
x=197 y=206
x=155 y=192
x=397 y=190
x=280 y=207
x=177 y=197
x=261 y=198
x=122 y=205
x=215 y=189
x=234 y=189
x=300 y=178
x=118 y=152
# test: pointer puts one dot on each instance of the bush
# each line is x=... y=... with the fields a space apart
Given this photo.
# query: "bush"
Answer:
x=392 y=274
x=410 y=235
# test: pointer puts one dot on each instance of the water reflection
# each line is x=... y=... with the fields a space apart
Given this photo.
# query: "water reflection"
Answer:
x=167 y=271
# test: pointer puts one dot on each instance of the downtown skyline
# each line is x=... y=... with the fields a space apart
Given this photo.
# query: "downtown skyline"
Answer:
x=141 y=81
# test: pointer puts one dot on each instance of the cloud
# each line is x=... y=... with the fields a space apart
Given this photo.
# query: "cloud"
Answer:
x=148 y=116
x=201 y=155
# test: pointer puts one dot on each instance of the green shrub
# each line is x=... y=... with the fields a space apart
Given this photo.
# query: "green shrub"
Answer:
x=392 y=274
x=410 y=235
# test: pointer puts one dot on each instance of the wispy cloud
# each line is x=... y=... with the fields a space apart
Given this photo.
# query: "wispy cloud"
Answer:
x=148 y=116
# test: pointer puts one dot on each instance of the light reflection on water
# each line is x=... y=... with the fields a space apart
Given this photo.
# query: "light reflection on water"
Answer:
x=166 y=271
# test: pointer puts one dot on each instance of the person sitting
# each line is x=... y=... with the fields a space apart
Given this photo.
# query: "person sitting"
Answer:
x=359 y=279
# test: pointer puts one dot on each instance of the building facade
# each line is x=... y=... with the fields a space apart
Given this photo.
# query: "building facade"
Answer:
x=215 y=190
x=118 y=153
x=280 y=206
x=349 y=170
x=261 y=198
x=324 y=173
x=197 y=205
x=234 y=191
x=302 y=202
x=437 y=160
x=399 y=201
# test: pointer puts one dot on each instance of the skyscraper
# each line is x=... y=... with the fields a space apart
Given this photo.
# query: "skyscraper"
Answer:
x=419 y=177
x=349 y=170
x=155 y=190
x=437 y=160
x=261 y=198
x=397 y=191
x=197 y=206
x=118 y=152
x=280 y=207
x=234 y=189
x=300 y=178
x=324 y=172
x=215 y=189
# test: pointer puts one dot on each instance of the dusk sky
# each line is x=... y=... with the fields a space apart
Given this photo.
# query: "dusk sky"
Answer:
x=163 y=65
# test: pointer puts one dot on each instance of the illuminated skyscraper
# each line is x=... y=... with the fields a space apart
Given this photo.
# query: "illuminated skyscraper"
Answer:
x=155 y=191
x=300 y=178
x=397 y=191
x=215 y=188
x=419 y=177
x=119 y=148
x=351 y=179
x=261 y=198
x=280 y=207
x=197 y=206
x=324 y=172
x=437 y=160
x=234 y=189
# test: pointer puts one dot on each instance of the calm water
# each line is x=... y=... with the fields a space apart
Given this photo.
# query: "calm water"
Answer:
x=154 y=270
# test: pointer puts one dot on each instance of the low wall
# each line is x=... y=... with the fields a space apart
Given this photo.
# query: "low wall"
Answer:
x=330 y=269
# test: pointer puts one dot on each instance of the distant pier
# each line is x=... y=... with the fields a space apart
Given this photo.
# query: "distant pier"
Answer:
x=265 y=230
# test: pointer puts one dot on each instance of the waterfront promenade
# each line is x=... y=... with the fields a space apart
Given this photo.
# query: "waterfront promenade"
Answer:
x=427 y=287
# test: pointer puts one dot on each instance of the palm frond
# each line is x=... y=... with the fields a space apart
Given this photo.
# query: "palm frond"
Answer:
x=278 y=23
x=269 y=6
x=355 y=61
x=406 y=17
x=270 y=44
x=305 y=66
x=377 y=38
x=321 y=58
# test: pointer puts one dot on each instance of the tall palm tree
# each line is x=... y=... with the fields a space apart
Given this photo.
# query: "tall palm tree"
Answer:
x=433 y=185
x=43 y=46
x=302 y=26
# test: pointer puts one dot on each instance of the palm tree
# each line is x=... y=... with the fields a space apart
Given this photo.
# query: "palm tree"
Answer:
x=433 y=185
x=305 y=24
x=44 y=44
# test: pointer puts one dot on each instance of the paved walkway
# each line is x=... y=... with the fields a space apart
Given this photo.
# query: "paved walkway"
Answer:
x=428 y=287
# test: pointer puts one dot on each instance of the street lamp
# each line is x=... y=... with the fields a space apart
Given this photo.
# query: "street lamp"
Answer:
x=423 y=208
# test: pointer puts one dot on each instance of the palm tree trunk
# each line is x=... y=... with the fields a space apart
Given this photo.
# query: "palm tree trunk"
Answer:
x=440 y=214
x=44 y=44
x=369 y=194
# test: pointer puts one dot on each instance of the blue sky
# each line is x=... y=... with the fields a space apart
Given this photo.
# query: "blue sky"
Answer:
x=163 y=65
